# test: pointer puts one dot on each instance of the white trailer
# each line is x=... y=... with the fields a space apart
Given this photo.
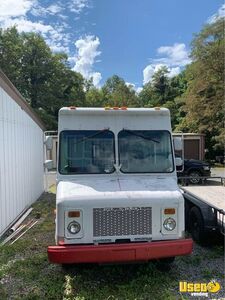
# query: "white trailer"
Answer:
x=21 y=154
x=117 y=193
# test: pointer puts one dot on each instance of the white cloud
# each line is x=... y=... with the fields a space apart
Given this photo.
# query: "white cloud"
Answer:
x=53 y=9
x=129 y=84
x=149 y=71
x=220 y=14
x=78 y=5
x=14 y=13
x=174 y=55
x=15 y=8
x=133 y=86
x=24 y=25
x=87 y=51
x=74 y=6
x=174 y=58
x=139 y=89
x=55 y=37
x=174 y=71
x=96 y=77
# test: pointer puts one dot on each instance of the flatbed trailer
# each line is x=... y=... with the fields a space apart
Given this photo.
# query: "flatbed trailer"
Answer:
x=204 y=209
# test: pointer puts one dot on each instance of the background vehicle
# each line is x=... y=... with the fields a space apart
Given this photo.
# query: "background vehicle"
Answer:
x=195 y=169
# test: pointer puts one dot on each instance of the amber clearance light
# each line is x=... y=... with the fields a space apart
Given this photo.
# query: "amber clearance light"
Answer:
x=74 y=214
x=169 y=211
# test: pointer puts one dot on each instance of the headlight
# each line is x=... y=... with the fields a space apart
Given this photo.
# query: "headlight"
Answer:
x=169 y=224
x=74 y=227
x=206 y=168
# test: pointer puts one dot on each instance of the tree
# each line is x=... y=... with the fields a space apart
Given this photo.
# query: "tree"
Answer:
x=166 y=92
x=156 y=91
x=205 y=93
x=160 y=85
x=95 y=97
x=42 y=77
x=117 y=93
x=11 y=52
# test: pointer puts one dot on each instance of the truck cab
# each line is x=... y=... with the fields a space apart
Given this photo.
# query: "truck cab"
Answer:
x=117 y=195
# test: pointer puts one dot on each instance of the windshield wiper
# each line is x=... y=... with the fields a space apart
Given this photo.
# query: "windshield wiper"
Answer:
x=141 y=136
x=91 y=136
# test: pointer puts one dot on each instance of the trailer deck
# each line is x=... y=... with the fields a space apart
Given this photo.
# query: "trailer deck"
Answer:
x=214 y=196
x=205 y=207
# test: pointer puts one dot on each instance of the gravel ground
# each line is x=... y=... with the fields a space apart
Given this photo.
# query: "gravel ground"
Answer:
x=205 y=264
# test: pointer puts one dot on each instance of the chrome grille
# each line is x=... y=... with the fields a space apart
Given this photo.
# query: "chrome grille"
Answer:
x=121 y=221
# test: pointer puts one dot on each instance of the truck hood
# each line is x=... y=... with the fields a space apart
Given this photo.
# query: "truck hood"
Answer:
x=120 y=187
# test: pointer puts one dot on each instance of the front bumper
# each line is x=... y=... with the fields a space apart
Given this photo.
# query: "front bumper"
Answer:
x=144 y=251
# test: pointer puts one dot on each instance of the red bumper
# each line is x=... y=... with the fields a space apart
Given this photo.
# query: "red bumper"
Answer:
x=110 y=253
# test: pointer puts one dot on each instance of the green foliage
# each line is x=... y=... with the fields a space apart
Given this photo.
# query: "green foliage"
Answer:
x=42 y=77
x=117 y=93
x=204 y=98
x=166 y=92
x=94 y=97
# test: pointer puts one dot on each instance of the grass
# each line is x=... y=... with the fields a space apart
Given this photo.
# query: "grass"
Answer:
x=25 y=272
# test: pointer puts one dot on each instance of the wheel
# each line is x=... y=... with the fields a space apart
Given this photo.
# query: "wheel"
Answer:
x=194 y=177
x=196 y=225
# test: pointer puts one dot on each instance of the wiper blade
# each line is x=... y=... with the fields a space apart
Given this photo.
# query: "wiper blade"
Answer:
x=141 y=136
x=91 y=136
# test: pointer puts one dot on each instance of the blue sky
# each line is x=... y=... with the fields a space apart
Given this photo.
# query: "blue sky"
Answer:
x=130 y=38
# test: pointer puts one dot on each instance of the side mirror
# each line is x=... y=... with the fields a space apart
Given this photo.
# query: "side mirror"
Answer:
x=49 y=143
x=178 y=143
x=48 y=164
x=178 y=161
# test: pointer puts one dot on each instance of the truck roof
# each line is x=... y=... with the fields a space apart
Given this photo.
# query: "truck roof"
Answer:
x=95 y=118
x=113 y=110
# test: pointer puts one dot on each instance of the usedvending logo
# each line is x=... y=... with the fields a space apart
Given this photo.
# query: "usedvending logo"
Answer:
x=199 y=288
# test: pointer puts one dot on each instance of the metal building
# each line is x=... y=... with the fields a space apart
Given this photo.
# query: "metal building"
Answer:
x=194 y=145
x=21 y=154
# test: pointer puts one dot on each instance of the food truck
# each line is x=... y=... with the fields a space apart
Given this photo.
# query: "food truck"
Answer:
x=117 y=196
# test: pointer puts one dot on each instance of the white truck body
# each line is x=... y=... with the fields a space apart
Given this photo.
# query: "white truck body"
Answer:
x=128 y=201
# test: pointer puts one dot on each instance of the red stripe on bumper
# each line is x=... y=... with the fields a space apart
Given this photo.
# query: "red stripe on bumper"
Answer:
x=119 y=252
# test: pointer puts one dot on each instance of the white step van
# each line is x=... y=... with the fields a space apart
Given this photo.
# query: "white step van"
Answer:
x=117 y=194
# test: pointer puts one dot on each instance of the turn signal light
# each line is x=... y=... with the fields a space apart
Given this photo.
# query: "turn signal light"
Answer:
x=169 y=211
x=74 y=214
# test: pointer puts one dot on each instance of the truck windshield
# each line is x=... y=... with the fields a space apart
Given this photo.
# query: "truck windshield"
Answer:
x=86 y=152
x=145 y=151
